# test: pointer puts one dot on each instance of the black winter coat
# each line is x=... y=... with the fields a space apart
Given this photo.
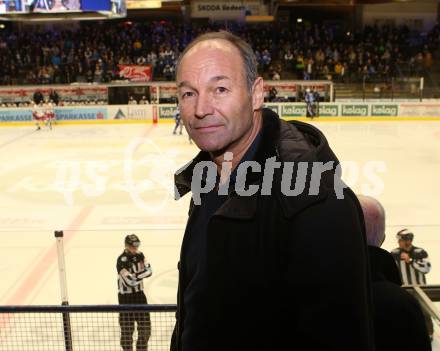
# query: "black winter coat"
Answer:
x=399 y=323
x=285 y=272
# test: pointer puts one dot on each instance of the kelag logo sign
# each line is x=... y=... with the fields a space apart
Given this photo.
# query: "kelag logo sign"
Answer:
x=328 y=110
x=354 y=110
x=273 y=107
x=293 y=110
x=384 y=110
x=167 y=111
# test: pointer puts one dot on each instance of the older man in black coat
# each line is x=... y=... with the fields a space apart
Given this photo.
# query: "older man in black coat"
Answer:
x=274 y=255
x=399 y=323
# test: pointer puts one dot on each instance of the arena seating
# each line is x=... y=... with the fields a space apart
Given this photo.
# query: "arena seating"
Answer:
x=93 y=52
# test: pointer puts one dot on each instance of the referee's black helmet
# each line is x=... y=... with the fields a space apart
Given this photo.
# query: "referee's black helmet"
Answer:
x=132 y=240
x=405 y=234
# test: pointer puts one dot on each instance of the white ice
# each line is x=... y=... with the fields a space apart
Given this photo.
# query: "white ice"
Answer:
x=100 y=182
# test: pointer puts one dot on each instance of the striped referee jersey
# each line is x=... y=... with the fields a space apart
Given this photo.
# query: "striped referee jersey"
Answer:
x=132 y=269
x=413 y=272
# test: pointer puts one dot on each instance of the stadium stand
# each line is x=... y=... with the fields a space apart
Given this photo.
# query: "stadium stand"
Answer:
x=93 y=52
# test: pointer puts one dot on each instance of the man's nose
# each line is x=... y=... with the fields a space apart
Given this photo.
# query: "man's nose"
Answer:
x=204 y=105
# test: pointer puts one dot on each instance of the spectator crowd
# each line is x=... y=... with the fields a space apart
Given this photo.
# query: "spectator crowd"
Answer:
x=93 y=52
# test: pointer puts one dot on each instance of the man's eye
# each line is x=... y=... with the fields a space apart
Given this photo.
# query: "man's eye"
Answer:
x=187 y=94
x=221 y=90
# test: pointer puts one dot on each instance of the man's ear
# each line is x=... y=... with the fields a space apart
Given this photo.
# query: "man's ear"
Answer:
x=258 y=94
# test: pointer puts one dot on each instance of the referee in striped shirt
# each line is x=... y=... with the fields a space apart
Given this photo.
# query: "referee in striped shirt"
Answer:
x=413 y=262
x=132 y=268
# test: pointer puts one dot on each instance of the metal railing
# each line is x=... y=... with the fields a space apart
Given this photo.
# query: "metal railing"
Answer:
x=75 y=328
x=98 y=327
x=426 y=295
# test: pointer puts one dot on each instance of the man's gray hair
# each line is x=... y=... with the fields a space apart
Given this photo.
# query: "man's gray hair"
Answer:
x=246 y=52
x=374 y=215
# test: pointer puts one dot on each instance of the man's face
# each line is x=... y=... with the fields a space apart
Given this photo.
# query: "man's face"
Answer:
x=214 y=101
x=132 y=249
x=405 y=244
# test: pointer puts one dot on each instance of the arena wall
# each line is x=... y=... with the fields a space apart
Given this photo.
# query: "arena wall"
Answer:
x=165 y=112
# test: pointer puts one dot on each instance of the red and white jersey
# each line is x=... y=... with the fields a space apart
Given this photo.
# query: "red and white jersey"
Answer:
x=38 y=112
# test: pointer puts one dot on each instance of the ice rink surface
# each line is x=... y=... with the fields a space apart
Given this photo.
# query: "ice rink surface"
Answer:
x=101 y=182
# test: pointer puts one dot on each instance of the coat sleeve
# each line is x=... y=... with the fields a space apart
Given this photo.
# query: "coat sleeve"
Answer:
x=173 y=345
x=174 y=337
x=328 y=277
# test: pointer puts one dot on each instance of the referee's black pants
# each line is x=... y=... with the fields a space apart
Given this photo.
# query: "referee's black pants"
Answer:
x=127 y=322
